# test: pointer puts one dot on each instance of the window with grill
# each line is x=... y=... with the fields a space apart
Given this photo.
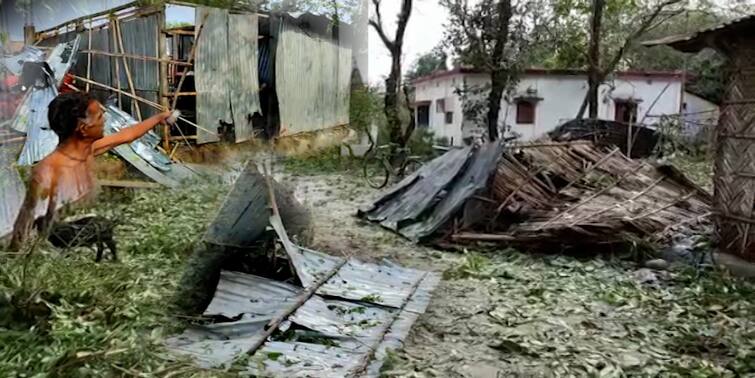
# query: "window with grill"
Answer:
x=449 y=118
x=525 y=113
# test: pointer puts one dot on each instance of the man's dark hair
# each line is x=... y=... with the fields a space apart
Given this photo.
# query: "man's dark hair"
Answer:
x=64 y=113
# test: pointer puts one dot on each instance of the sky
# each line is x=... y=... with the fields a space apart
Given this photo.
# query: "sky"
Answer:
x=425 y=28
x=425 y=31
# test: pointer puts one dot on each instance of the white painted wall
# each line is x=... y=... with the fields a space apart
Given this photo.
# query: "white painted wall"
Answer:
x=443 y=88
x=561 y=96
x=699 y=114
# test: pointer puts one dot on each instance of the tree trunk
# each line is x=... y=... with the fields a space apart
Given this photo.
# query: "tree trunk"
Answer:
x=593 y=70
x=412 y=121
x=498 y=84
x=391 y=101
x=498 y=74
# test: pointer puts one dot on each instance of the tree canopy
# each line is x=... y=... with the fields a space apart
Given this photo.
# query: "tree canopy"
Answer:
x=434 y=60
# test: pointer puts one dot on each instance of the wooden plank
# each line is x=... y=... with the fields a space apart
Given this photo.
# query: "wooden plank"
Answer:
x=467 y=236
x=128 y=184
x=132 y=56
x=162 y=52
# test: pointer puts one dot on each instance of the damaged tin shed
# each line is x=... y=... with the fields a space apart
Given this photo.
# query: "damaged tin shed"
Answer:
x=317 y=315
x=236 y=74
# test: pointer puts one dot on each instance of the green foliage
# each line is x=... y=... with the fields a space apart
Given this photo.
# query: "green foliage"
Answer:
x=435 y=60
x=364 y=108
x=476 y=265
x=327 y=161
x=421 y=142
x=107 y=318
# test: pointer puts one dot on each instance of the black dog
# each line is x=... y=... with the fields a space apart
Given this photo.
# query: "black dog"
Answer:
x=85 y=232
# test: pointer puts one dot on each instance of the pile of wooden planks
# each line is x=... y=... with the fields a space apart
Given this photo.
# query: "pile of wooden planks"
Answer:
x=578 y=195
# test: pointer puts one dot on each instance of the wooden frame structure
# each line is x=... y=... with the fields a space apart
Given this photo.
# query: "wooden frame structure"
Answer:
x=734 y=175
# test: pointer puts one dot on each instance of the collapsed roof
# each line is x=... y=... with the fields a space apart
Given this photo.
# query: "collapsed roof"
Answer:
x=545 y=195
x=335 y=317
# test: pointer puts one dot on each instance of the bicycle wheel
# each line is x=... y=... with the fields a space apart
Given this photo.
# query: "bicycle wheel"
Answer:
x=411 y=166
x=376 y=172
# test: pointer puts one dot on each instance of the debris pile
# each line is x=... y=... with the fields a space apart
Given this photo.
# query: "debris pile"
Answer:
x=547 y=196
x=332 y=317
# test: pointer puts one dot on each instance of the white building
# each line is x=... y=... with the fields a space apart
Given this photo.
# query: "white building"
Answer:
x=545 y=99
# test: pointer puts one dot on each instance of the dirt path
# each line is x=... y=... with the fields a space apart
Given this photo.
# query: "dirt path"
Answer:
x=522 y=315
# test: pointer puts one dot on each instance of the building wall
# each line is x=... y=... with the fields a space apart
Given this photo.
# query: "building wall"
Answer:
x=560 y=97
x=700 y=116
x=443 y=88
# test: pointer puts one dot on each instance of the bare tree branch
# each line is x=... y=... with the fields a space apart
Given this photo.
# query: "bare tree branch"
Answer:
x=377 y=24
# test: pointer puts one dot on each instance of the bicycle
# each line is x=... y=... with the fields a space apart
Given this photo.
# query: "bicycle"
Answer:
x=377 y=168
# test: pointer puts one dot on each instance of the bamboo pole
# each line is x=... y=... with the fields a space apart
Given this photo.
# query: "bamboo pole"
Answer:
x=137 y=98
x=89 y=56
x=162 y=54
x=590 y=169
x=192 y=53
x=664 y=207
x=132 y=56
x=118 y=33
x=117 y=64
x=618 y=204
x=590 y=198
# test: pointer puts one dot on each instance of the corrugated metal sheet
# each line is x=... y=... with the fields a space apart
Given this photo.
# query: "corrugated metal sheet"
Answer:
x=369 y=309
x=303 y=360
x=15 y=63
x=693 y=42
x=226 y=72
x=211 y=73
x=140 y=38
x=40 y=139
x=12 y=190
x=31 y=116
x=242 y=58
x=313 y=77
x=143 y=154
x=434 y=178
x=414 y=211
x=265 y=64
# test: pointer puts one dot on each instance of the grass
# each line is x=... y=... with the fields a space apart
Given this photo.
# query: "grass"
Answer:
x=68 y=316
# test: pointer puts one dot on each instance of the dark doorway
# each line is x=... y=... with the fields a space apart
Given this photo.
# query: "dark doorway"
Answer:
x=423 y=115
x=626 y=112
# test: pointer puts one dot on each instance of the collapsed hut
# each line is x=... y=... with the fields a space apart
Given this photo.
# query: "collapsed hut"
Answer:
x=236 y=75
x=544 y=196
x=734 y=170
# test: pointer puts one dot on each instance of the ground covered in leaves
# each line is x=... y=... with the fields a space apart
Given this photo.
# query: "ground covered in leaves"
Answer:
x=65 y=315
x=500 y=312
x=496 y=313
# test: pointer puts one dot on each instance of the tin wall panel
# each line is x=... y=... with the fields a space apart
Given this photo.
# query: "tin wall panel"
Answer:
x=242 y=58
x=211 y=74
x=313 y=77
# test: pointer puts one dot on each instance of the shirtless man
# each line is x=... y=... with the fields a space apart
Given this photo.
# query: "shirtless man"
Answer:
x=66 y=175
